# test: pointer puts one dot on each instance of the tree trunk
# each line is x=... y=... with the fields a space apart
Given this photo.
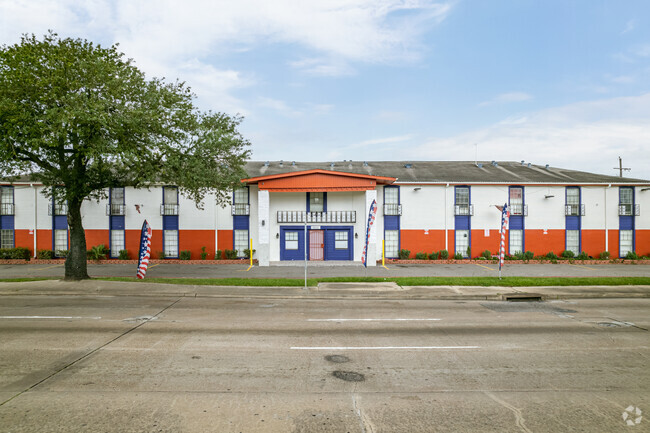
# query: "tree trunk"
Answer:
x=75 y=263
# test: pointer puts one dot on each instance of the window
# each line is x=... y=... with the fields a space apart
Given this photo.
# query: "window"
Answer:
x=391 y=243
x=341 y=240
x=516 y=201
x=6 y=238
x=626 y=201
x=626 y=241
x=240 y=202
x=170 y=195
x=516 y=241
x=291 y=240
x=241 y=242
x=573 y=201
x=6 y=200
x=573 y=241
x=316 y=202
x=117 y=242
x=171 y=243
x=117 y=201
x=391 y=201
x=462 y=242
x=60 y=242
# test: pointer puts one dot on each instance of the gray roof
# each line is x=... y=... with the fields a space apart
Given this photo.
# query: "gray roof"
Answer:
x=445 y=171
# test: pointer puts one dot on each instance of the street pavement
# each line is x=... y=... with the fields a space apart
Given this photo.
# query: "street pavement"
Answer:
x=336 y=269
x=101 y=356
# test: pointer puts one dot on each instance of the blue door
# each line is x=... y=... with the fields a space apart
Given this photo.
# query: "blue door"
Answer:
x=338 y=243
x=292 y=243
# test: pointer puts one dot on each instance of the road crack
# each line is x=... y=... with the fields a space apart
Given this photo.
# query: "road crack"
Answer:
x=81 y=358
x=366 y=425
x=519 y=418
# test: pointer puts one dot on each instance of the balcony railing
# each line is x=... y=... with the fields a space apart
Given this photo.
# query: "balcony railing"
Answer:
x=392 y=209
x=115 y=209
x=574 y=210
x=57 y=209
x=7 y=209
x=241 y=209
x=168 y=209
x=629 y=209
x=517 y=209
x=337 y=216
x=464 y=209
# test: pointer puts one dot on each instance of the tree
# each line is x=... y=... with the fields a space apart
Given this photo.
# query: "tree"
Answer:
x=81 y=118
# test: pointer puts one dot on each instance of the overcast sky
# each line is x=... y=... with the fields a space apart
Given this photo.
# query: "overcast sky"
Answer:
x=560 y=82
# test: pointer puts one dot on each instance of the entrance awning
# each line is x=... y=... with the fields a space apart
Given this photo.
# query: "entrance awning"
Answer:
x=318 y=181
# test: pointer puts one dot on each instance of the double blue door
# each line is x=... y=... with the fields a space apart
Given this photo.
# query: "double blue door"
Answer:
x=338 y=243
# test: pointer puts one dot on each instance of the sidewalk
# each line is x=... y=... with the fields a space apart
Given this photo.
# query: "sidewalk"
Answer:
x=322 y=291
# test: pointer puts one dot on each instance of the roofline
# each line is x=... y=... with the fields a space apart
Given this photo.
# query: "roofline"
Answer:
x=317 y=171
x=522 y=183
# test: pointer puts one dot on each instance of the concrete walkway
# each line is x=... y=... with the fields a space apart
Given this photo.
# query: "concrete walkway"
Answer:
x=322 y=291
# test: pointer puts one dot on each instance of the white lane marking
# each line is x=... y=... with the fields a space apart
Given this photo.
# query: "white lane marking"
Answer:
x=386 y=348
x=48 y=317
x=370 y=320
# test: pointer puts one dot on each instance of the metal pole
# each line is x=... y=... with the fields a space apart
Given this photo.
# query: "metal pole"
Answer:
x=305 y=246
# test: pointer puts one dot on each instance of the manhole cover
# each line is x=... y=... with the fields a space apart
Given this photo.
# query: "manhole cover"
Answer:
x=339 y=359
x=349 y=376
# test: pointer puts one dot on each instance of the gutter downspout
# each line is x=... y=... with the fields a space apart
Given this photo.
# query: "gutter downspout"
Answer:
x=446 y=229
x=606 y=228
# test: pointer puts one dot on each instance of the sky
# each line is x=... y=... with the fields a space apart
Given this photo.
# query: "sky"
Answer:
x=559 y=82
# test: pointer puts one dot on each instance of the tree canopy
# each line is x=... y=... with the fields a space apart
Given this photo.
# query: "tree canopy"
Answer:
x=81 y=116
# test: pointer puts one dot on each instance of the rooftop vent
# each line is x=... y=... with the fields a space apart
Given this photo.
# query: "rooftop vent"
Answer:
x=479 y=165
x=281 y=163
x=529 y=165
x=522 y=162
x=365 y=163
x=546 y=166
x=266 y=164
x=408 y=165
x=331 y=165
x=293 y=163
x=494 y=163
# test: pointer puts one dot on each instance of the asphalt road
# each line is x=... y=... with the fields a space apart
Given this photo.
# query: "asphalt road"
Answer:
x=321 y=269
x=198 y=364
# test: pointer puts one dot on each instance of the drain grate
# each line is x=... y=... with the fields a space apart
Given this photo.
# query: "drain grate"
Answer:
x=522 y=297
x=349 y=376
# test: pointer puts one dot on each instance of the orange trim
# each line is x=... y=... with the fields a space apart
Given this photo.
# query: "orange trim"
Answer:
x=317 y=181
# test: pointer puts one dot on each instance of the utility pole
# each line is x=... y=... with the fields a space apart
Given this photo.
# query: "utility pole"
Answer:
x=620 y=167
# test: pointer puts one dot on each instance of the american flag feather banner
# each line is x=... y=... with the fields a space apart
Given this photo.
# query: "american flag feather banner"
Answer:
x=505 y=215
x=371 y=220
x=145 y=249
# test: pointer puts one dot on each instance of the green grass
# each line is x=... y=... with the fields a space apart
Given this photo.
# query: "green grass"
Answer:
x=404 y=281
x=21 y=280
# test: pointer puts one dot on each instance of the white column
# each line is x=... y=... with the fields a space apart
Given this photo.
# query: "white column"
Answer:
x=372 y=243
x=264 y=228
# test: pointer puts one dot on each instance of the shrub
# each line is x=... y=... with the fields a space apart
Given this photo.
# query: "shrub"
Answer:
x=421 y=256
x=434 y=255
x=230 y=254
x=529 y=255
x=98 y=252
x=469 y=252
x=444 y=254
x=15 y=253
x=123 y=255
x=204 y=255
x=218 y=255
x=518 y=256
x=567 y=254
x=161 y=255
x=487 y=254
x=582 y=256
x=404 y=254
x=552 y=256
x=185 y=255
x=62 y=253
x=631 y=255
x=604 y=255
x=458 y=256
x=44 y=254
x=247 y=253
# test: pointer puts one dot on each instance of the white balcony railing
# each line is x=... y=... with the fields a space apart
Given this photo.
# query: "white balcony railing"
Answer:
x=57 y=209
x=168 y=209
x=629 y=209
x=337 y=216
x=115 y=209
x=574 y=210
x=392 y=209
x=464 y=209
x=241 y=209
x=7 y=209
